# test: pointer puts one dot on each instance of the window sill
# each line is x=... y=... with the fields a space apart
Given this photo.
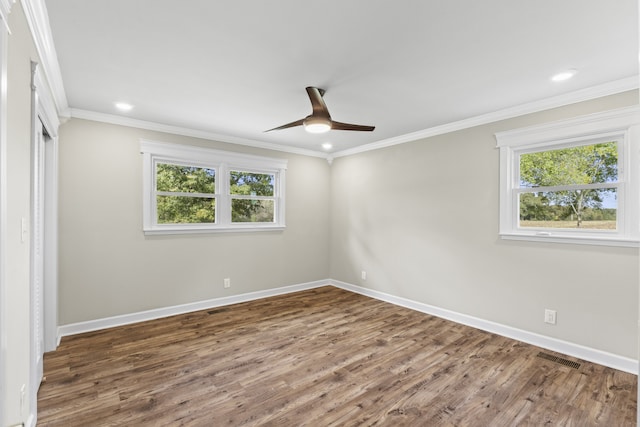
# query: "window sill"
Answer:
x=576 y=240
x=232 y=229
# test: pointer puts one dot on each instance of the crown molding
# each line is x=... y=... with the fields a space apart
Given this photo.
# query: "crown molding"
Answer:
x=177 y=130
x=586 y=94
x=38 y=20
x=5 y=7
x=599 y=91
x=5 y=10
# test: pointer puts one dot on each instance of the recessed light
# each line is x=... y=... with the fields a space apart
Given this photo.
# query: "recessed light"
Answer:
x=123 y=106
x=327 y=146
x=564 y=75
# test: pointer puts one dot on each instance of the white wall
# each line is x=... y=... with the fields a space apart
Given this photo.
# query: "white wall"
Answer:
x=422 y=219
x=108 y=267
x=16 y=305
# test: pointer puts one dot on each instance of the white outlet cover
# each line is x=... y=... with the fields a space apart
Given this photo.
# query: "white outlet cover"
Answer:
x=550 y=317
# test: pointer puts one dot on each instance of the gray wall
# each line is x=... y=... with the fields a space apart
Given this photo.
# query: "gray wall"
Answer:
x=422 y=219
x=108 y=267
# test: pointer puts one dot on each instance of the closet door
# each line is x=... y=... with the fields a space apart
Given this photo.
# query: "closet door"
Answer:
x=37 y=257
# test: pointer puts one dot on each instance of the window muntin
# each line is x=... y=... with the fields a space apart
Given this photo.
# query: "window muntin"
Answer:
x=572 y=187
x=536 y=209
x=191 y=190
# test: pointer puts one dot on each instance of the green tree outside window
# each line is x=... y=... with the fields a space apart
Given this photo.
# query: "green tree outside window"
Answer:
x=252 y=196
x=185 y=194
x=588 y=168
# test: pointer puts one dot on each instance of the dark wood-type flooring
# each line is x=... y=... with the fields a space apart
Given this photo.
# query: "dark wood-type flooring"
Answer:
x=323 y=357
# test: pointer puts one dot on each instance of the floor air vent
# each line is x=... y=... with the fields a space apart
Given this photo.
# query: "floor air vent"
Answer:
x=560 y=360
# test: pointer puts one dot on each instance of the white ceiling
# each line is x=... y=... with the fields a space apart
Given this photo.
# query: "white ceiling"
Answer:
x=236 y=68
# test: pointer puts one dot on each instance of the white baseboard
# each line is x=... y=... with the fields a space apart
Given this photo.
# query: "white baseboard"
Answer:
x=126 y=319
x=576 y=350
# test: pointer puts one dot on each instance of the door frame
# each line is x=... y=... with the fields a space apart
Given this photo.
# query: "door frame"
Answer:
x=5 y=10
x=44 y=113
x=44 y=117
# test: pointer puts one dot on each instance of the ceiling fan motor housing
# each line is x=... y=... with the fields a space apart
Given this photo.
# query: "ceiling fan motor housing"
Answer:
x=317 y=124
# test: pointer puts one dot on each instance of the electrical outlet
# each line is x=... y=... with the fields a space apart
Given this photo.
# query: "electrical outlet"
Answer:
x=227 y=282
x=550 y=316
x=363 y=274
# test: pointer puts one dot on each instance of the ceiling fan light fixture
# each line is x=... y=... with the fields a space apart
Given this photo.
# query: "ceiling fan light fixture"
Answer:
x=317 y=124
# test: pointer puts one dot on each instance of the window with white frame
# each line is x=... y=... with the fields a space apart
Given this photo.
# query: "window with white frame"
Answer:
x=190 y=189
x=572 y=181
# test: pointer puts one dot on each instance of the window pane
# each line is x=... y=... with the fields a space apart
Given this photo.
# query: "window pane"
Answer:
x=252 y=184
x=186 y=210
x=584 y=209
x=252 y=210
x=185 y=179
x=586 y=164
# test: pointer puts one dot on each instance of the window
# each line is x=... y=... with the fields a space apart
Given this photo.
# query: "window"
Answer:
x=191 y=189
x=252 y=196
x=572 y=181
x=573 y=187
x=185 y=194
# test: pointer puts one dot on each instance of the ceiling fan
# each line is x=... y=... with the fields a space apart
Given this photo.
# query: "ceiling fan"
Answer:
x=319 y=120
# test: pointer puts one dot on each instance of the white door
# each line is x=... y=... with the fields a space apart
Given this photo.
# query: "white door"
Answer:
x=37 y=257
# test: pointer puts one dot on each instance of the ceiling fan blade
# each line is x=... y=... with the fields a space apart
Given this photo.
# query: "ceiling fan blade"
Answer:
x=319 y=107
x=348 y=126
x=320 y=116
x=288 y=125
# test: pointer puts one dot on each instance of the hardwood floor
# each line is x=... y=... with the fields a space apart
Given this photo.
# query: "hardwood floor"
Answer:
x=324 y=357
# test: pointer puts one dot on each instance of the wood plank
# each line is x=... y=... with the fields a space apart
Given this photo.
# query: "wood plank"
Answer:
x=320 y=357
